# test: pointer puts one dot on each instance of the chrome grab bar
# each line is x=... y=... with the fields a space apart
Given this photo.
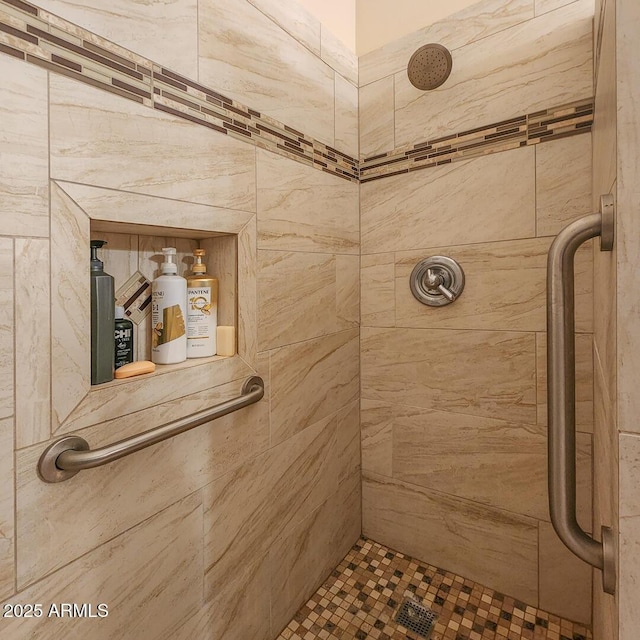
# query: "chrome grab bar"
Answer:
x=71 y=454
x=561 y=390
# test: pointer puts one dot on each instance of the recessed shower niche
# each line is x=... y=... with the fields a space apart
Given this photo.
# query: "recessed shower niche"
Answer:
x=81 y=213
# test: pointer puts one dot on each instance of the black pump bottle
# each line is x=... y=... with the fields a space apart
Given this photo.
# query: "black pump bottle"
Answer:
x=102 y=318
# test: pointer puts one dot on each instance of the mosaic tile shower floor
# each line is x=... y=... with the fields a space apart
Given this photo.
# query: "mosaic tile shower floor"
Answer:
x=362 y=596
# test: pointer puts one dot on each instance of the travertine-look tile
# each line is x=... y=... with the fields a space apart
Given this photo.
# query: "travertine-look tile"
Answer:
x=563 y=183
x=451 y=204
x=165 y=32
x=7 y=329
x=583 y=287
x=584 y=380
x=99 y=139
x=247 y=312
x=604 y=132
x=628 y=22
x=303 y=209
x=245 y=510
x=189 y=219
x=629 y=533
x=605 y=484
x=240 y=607
x=376 y=424
x=629 y=475
x=24 y=171
x=346 y=117
x=338 y=56
x=472 y=457
x=57 y=523
x=606 y=445
x=543 y=61
x=377 y=290
x=476 y=458
x=297 y=297
x=450 y=532
x=7 y=510
x=377 y=285
x=148 y=577
x=312 y=380
x=33 y=341
x=565 y=580
x=628 y=578
x=505 y=287
x=70 y=306
x=628 y=226
x=347 y=292
x=249 y=58
x=348 y=443
x=481 y=373
x=473 y=23
x=295 y=19
x=543 y=6
x=301 y=560
x=376 y=108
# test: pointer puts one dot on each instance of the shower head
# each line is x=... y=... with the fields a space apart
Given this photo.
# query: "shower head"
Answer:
x=429 y=66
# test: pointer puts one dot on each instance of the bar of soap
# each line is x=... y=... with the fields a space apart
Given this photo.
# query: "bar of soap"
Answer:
x=226 y=341
x=135 y=369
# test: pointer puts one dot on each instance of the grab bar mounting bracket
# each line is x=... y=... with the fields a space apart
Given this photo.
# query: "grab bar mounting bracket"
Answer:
x=608 y=222
x=47 y=468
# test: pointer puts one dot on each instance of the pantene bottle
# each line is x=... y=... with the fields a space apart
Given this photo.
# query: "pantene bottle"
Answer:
x=168 y=313
x=202 y=310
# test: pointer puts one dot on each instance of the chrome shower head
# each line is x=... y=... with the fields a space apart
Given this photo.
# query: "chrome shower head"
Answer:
x=429 y=66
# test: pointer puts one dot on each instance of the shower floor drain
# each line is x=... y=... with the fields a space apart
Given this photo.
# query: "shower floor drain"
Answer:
x=416 y=617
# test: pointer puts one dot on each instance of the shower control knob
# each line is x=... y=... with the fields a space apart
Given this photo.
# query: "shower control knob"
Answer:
x=437 y=281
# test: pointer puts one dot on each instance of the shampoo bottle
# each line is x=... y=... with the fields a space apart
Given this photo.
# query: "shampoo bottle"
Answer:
x=168 y=313
x=123 y=338
x=202 y=310
x=102 y=311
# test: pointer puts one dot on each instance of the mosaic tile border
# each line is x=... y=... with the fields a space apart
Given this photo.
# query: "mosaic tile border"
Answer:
x=361 y=597
x=534 y=128
x=41 y=38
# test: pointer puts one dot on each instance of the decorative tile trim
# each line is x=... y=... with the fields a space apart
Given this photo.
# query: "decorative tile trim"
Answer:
x=41 y=38
x=362 y=595
x=542 y=126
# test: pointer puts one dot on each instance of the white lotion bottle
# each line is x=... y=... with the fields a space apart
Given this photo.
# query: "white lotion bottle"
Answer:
x=168 y=313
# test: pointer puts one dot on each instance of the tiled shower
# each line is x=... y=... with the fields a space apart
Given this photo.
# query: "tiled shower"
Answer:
x=316 y=180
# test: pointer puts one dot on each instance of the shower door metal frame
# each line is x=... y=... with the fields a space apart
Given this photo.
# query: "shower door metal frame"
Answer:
x=561 y=380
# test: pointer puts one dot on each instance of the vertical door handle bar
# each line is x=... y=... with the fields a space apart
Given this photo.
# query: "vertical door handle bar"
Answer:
x=561 y=390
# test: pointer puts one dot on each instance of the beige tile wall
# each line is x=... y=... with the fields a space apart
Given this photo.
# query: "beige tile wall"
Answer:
x=616 y=164
x=276 y=491
x=605 y=607
x=274 y=72
x=549 y=62
x=453 y=398
x=628 y=49
x=165 y=32
x=174 y=538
